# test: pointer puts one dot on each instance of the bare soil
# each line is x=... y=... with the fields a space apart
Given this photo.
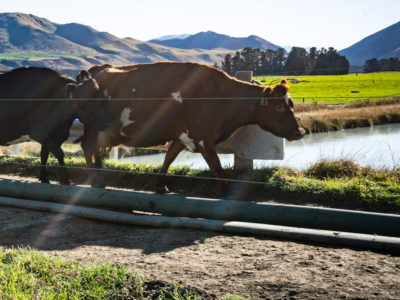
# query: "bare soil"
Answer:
x=218 y=264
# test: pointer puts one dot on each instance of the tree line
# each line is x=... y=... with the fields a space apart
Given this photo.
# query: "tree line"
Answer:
x=385 y=64
x=298 y=61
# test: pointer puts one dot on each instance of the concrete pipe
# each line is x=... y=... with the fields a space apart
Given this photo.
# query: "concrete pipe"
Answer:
x=379 y=243
x=174 y=205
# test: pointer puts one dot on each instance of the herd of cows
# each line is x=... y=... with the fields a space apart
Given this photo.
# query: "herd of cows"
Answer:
x=186 y=105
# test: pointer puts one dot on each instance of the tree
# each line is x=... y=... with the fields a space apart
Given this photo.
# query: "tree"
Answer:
x=297 y=61
x=227 y=65
x=372 y=65
x=330 y=62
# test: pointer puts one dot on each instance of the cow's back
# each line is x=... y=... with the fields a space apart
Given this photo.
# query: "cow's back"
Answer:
x=23 y=105
x=174 y=98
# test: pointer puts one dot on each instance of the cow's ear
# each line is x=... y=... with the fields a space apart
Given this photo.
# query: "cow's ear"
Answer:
x=83 y=75
x=266 y=94
x=281 y=89
x=284 y=83
x=69 y=90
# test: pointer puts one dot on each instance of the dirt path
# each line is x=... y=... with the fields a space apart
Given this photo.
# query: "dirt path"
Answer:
x=218 y=264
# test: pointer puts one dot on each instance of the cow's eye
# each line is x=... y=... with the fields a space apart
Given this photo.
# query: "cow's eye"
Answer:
x=280 y=107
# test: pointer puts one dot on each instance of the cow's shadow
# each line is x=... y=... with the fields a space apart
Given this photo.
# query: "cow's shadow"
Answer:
x=48 y=231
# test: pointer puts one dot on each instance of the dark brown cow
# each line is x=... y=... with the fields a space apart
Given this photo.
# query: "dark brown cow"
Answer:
x=32 y=107
x=187 y=105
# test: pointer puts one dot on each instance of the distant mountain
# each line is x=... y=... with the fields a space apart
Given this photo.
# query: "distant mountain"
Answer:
x=30 y=40
x=382 y=44
x=212 y=40
x=176 y=36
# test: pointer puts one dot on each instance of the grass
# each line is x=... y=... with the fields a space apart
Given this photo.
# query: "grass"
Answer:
x=320 y=88
x=27 y=274
x=352 y=115
x=342 y=183
x=41 y=55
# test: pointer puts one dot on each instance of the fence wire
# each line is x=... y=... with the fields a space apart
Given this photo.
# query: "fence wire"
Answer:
x=79 y=100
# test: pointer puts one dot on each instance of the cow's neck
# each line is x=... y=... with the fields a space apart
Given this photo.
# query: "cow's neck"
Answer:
x=246 y=116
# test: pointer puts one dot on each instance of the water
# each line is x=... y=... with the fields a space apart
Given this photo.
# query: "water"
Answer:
x=378 y=147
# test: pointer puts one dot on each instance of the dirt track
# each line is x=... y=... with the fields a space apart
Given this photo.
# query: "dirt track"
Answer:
x=218 y=264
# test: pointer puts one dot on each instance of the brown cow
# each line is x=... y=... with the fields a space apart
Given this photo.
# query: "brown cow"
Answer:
x=34 y=105
x=188 y=105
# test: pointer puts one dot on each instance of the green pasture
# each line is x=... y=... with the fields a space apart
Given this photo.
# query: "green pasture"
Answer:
x=324 y=88
x=41 y=55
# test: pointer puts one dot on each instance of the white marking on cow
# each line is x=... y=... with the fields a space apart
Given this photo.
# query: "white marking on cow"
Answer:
x=201 y=143
x=133 y=90
x=114 y=70
x=125 y=114
x=286 y=97
x=21 y=139
x=187 y=141
x=177 y=96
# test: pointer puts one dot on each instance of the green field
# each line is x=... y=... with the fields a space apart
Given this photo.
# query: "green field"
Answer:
x=41 y=55
x=347 y=87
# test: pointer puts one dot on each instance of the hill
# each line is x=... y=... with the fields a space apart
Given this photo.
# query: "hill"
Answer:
x=30 y=40
x=382 y=44
x=212 y=40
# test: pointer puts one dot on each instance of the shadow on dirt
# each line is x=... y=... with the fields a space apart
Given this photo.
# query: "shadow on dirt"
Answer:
x=46 y=231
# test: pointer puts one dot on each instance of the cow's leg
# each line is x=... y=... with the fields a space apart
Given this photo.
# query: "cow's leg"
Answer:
x=96 y=179
x=90 y=148
x=174 y=149
x=210 y=155
x=44 y=155
x=59 y=154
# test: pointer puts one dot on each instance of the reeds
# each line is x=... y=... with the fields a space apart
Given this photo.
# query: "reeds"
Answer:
x=348 y=116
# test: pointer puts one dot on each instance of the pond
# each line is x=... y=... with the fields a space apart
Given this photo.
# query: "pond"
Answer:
x=378 y=147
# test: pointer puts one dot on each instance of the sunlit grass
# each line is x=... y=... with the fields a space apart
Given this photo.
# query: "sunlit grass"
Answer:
x=27 y=274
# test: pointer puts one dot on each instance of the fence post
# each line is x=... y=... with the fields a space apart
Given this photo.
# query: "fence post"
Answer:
x=114 y=153
x=15 y=149
x=241 y=163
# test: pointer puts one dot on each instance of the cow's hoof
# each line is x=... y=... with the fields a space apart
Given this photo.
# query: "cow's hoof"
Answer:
x=65 y=182
x=162 y=189
x=44 y=180
x=97 y=185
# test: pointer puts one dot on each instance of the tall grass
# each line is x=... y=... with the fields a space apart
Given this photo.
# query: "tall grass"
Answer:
x=349 y=116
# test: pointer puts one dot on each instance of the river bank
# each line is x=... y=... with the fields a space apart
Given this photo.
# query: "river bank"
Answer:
x=323 y=118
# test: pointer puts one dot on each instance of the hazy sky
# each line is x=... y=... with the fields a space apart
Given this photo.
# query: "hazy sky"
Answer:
x=320 y=23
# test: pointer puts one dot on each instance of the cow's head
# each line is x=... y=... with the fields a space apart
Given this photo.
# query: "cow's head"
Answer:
x=85 y=94
x=276 y=113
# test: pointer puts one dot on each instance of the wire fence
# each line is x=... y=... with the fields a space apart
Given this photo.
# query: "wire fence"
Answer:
x=79 y=100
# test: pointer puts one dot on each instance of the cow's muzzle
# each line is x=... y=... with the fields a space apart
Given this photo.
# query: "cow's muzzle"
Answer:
x=298 y=134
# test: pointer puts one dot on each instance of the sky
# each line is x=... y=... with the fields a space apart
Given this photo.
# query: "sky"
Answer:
x=302 y=23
